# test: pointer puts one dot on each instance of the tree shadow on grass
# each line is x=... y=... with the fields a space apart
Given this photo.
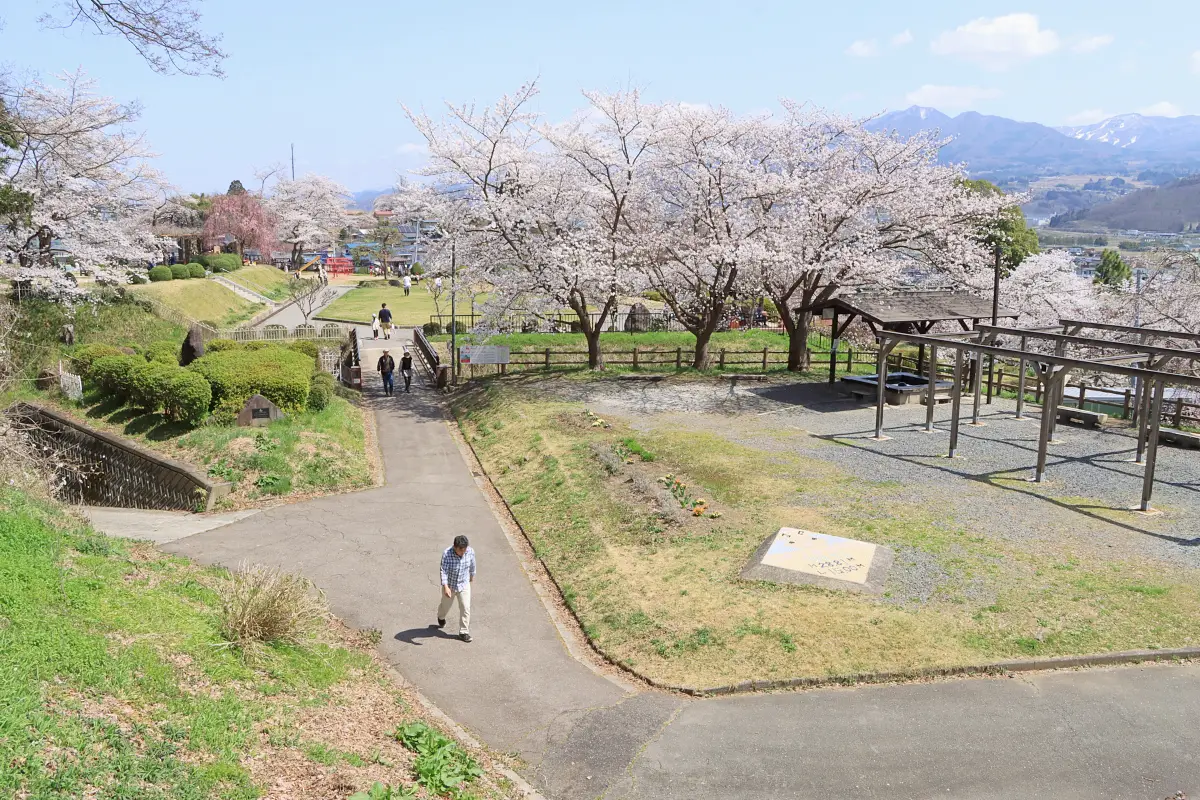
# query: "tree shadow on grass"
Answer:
x=105 y=407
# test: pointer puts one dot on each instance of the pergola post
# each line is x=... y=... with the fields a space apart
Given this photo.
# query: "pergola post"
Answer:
x=1049 y=409
x=885 y=347
x=1021 y=383
x=1143 y=419
x=978 y=360
x=1152 y=449
x=833 y=348
x=956 y=402
x=931 y=390
x=920 y=359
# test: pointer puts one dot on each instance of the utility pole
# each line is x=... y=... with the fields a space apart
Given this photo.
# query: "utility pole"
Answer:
x=996 y=288
x=293 y=161
x=453 y=321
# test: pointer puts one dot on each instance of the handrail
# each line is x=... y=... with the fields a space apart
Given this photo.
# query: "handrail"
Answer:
x=426 y=351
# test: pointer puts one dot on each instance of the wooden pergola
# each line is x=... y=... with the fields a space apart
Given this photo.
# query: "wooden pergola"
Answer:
x=190 y=240
x=904 y=312
x=1106 y=349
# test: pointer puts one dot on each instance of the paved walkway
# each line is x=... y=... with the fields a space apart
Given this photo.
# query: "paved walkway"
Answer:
x=290 y=316
x=1127 y=732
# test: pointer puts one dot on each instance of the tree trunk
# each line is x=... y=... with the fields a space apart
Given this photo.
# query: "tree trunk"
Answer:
x=700 y=359
x=595 y=357
x=591 y=332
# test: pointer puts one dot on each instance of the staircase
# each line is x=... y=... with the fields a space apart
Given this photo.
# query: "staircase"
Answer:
x=242 y=291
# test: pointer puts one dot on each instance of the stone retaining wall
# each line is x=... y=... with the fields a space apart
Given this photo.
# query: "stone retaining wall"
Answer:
x=107 y=470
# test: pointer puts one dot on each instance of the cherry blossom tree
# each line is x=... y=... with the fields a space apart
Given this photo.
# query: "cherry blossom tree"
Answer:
x=862 y=208
x=91 y=191
x=519 y=213
x=243 y=217
x=166 y=33
x=308 y=211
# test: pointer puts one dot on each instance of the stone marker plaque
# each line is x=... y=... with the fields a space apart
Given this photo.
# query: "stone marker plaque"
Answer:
x=799 y=556
x=258 y=411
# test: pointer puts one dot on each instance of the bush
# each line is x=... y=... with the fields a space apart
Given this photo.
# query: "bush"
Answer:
x=149 y=383
x=417 y=269
x=653 y=294
x=188 y=397
x=87 y=355
x=432 y=329
x=260 y=605
x=163 y=352
x=461 y=327
x=218 y=345
x=180 y=272
x=113 y=374
x=138 y=278
x=196 y=270
x=281 y=375
x=220 y=262
x=161 y=273
x=309 y=349
x=320 y=391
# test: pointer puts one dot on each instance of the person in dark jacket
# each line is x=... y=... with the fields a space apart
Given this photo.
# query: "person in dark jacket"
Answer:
x=386 y=366
x=406 y=369
x=385 y=319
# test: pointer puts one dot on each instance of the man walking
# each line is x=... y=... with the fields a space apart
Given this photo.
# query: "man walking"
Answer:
x=386 y=366
x=385 y=320
x=406 y=369
x=407 y=285
x=458 y=572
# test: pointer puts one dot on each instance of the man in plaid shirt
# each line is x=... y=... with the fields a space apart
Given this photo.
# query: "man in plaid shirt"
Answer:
x=458 y=571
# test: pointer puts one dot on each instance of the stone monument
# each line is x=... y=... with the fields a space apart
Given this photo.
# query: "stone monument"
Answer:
x=818 y=559
x=193 y=346
x=638 y=319
x=257 y=412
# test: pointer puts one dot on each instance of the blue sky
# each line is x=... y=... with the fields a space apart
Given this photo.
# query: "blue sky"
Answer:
x=330 y=76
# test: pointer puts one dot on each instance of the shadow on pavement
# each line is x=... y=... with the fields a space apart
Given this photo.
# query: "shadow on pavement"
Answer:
x=430 y=631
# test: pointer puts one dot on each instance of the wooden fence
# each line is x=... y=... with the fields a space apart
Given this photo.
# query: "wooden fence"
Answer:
x=998 y=378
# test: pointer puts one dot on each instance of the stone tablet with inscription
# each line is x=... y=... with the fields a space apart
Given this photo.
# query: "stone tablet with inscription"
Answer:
x=798 y=556
x=258 y=411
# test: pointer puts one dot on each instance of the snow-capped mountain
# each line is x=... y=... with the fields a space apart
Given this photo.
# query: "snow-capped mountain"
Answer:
x=1175 y=135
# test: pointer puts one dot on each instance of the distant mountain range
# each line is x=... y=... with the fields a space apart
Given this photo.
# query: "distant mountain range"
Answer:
x=1000 y=147
x=1173 y=208
x=365 y=200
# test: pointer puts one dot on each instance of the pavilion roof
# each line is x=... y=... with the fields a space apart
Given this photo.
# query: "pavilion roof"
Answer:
x=902 y=307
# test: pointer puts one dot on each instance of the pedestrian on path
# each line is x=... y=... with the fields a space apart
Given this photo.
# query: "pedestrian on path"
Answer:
x=385 y=319
x=386 y=366
x=374 y=326
x=458 y=573
x=407 y=285
x=406 y=369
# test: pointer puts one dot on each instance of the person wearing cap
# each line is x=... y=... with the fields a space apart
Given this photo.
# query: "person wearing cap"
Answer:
x=406 y=369
x=457 y=574
x=386 y=366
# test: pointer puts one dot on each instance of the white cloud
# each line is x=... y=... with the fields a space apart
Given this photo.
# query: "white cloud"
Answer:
x=1090 y=44
x=863 y=48
x=997 y=43
x=902 y=38
x=410 y=149
x=1088 y=116
x=1195 y=59
x=1161 y=109
x=950 y=98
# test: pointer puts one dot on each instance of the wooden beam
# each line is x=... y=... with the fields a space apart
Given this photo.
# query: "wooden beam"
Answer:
x=1152 y=452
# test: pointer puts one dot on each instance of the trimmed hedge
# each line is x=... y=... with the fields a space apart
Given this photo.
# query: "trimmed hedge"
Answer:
x=113 y=374
x=432 y=329
x=282 y=376
x=188 y=397
x=138 y=278
x=163 y=352
x=320 y=391
x=149 y=383
x=220 y=262
x=161 y=273
x=87 y=355
x=309 y=349
x=218 y=345
x=196 y=270
x=180 y=272
x=417 y=269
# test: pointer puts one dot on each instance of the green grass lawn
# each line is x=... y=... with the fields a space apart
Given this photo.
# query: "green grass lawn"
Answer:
x=205 y=300
x=267 y=281
x=664 y=596
x=360 y=303
x=314 y=452
x=117 y=682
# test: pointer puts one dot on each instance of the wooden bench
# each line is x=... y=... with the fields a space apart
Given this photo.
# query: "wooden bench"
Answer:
x=1179 y=438
x=1093 y=419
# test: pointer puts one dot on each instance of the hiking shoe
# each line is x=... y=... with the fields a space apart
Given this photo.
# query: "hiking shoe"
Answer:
x=466 y=637
x=441 y=623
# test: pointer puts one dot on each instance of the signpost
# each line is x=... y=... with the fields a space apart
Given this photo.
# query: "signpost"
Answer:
x=483 y=354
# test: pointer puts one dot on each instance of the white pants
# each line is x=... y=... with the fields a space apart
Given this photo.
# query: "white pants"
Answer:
x=464 y=607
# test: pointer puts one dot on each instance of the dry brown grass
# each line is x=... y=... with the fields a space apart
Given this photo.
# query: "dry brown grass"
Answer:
x=262 y=605
x=667 y=600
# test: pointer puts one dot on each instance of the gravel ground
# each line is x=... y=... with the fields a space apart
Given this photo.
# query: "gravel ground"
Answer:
x=1084 y=504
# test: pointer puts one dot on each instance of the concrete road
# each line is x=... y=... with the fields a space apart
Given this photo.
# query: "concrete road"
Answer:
x=1115 y=733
